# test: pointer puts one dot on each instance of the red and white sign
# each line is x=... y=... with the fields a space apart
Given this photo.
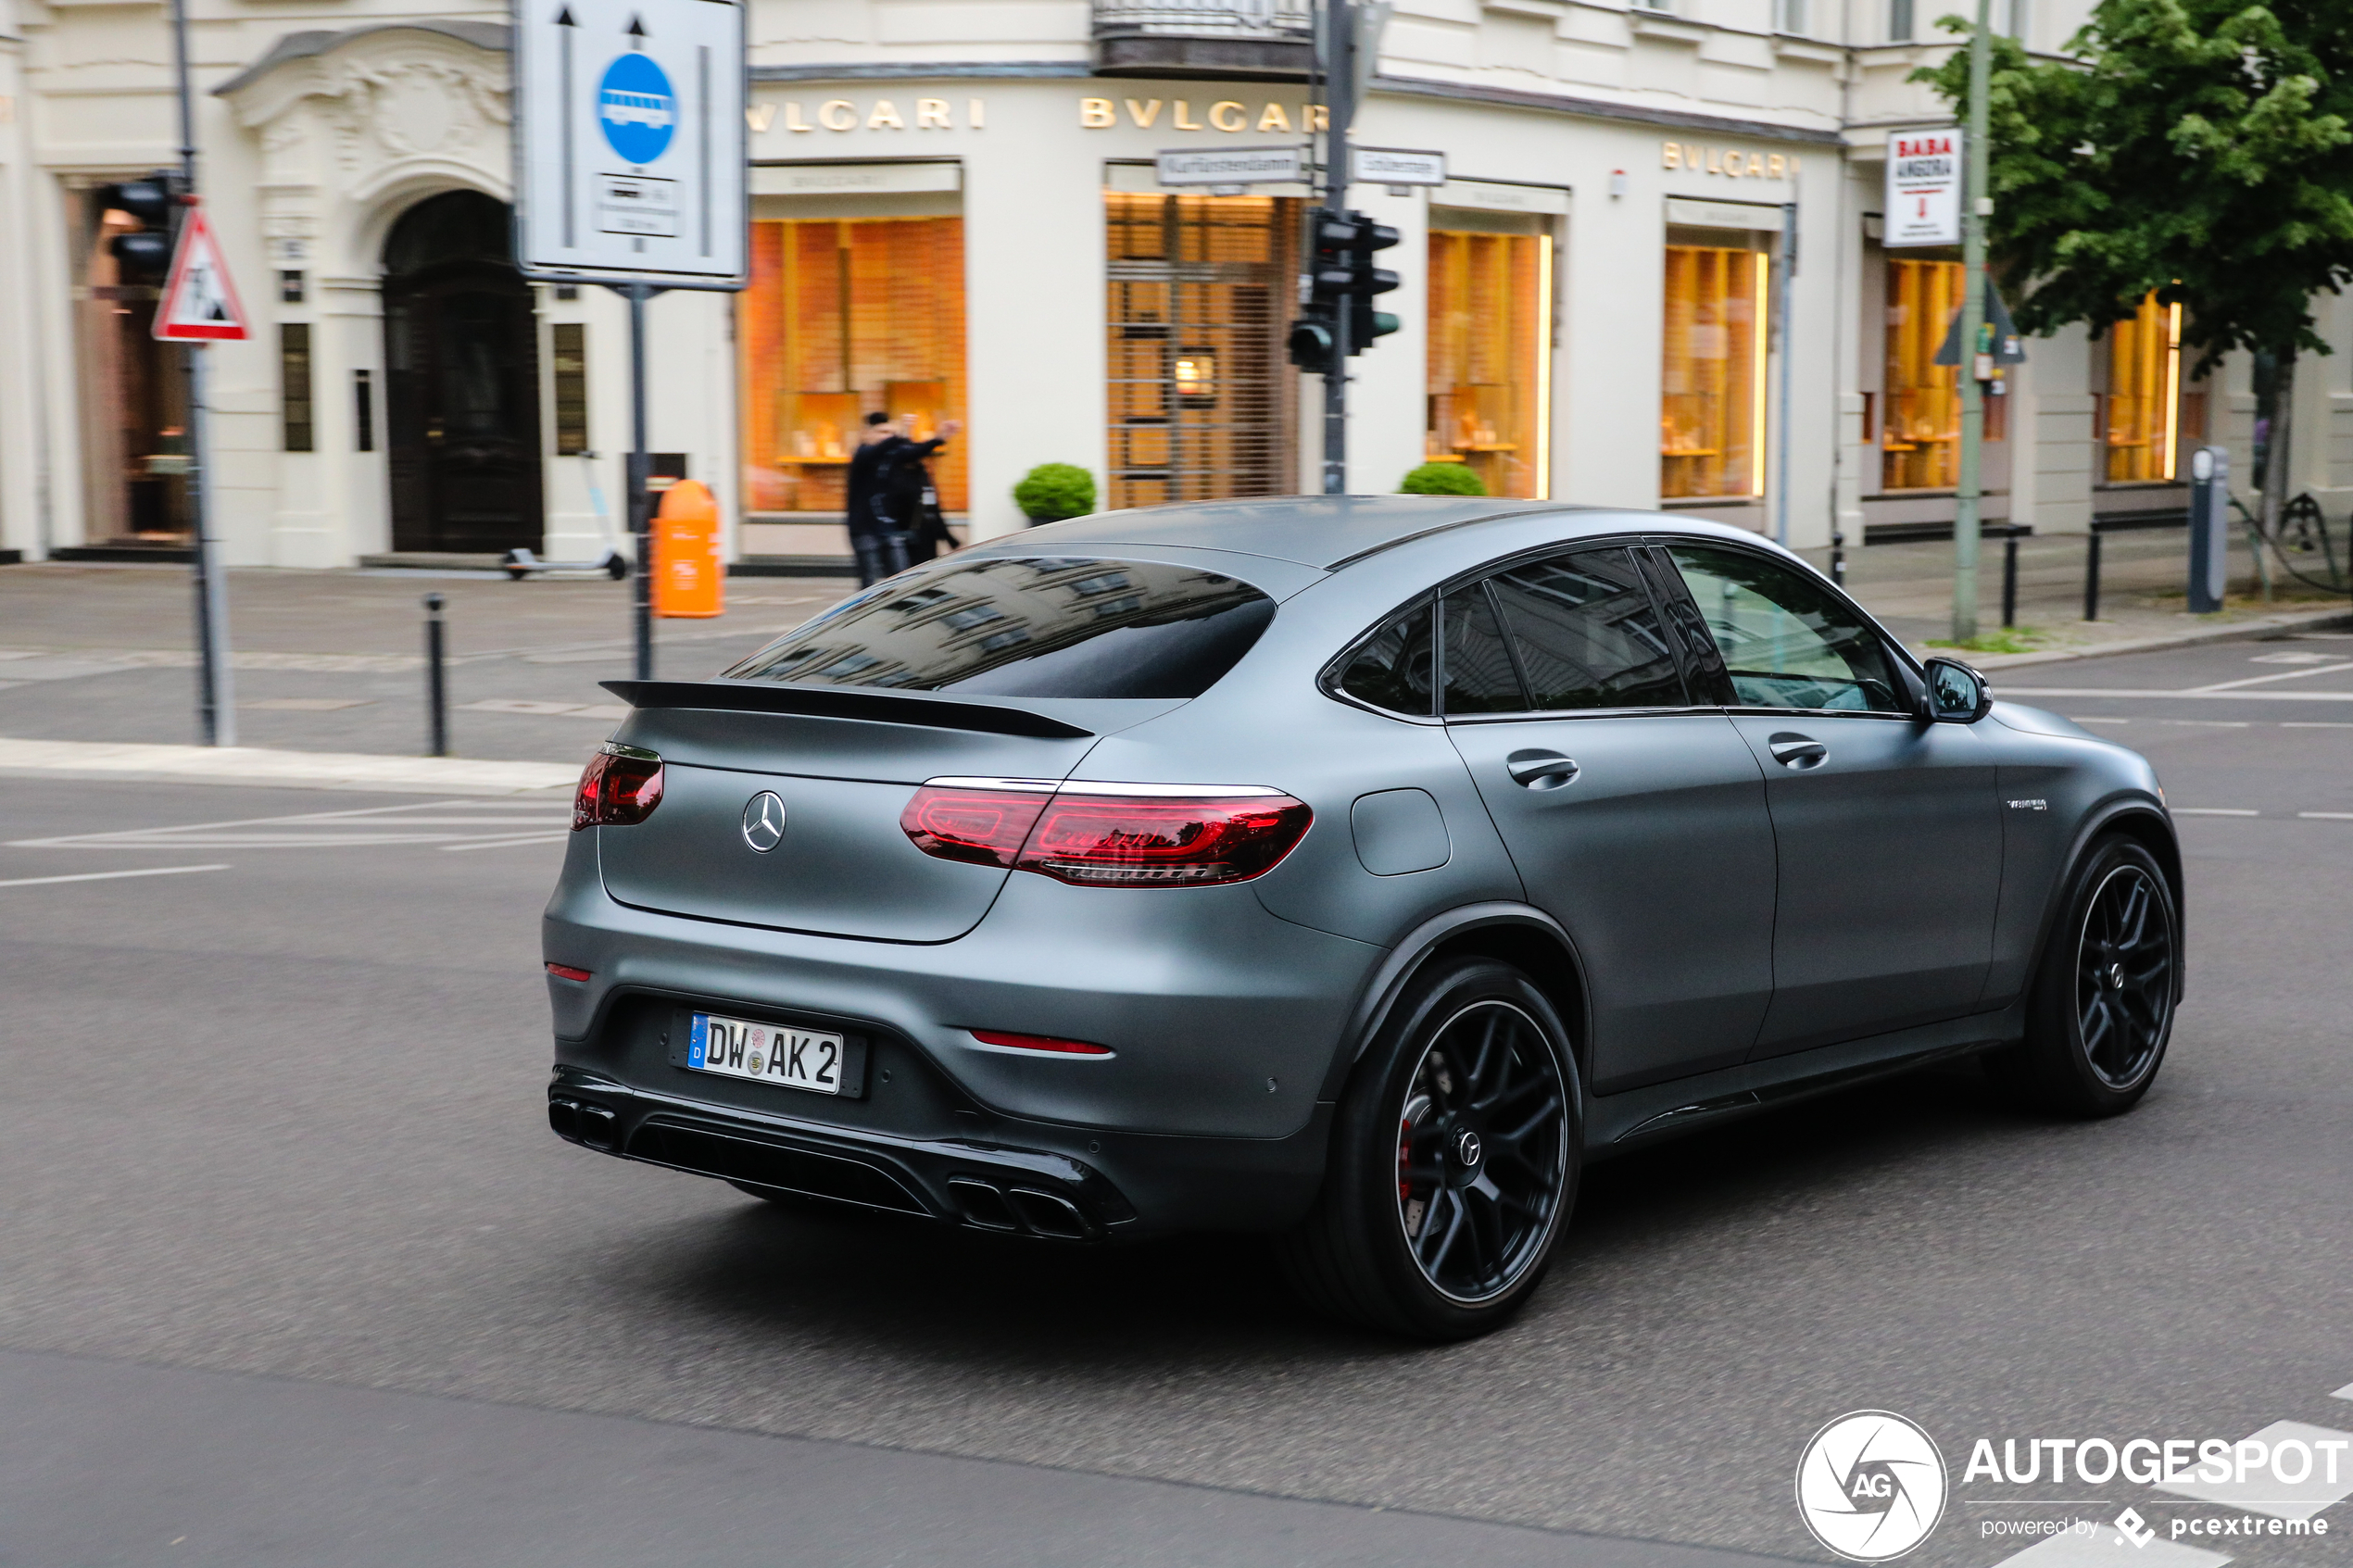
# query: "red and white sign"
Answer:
x=1923 y=188
x=199 y=302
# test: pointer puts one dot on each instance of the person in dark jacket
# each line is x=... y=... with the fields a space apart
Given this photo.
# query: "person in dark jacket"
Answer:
x=865 y=534
x=900 y=504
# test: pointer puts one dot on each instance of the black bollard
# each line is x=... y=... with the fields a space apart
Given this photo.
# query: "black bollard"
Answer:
x=2009 y=578
x=436 y=693
x=2092 y=579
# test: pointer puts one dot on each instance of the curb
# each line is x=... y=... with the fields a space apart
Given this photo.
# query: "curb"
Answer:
x=2187 y=637
x=259 y=767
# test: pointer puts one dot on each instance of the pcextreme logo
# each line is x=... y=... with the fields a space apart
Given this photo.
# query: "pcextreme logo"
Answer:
x=1871 y=1485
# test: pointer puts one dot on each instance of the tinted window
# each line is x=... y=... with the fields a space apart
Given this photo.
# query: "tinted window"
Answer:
x=1787 y=640
x=1044 y=626
x=1587 y=633
x=1479 y=677
x=1393 y=669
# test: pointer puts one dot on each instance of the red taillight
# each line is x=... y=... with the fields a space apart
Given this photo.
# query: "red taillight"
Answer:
x=985 y=826
x=1038 y=1043
x=565 y=971
x=621 y=784
x=1103 y=835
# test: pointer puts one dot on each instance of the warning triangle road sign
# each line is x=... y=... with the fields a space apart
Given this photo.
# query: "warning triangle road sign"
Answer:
x=199 y=302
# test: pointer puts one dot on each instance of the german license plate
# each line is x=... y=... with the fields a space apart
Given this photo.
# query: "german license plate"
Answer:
x=775 y=1053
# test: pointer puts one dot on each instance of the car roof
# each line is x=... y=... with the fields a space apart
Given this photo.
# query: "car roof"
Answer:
x=1322 y=531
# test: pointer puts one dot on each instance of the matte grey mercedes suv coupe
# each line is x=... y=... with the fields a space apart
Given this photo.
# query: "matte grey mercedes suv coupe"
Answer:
x=1352 y=868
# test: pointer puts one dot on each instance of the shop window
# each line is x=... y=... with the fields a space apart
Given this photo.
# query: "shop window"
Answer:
x=2141 y=417
x=1899 y=22
x=1489 y=380
x=570 y=345
x=294 y=384
x=1920 y=406
x=1712 y=415
x=844 y=317
x=1201 y=399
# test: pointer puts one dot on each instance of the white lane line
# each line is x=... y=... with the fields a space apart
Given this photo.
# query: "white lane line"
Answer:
x=2267 y=680
x=2344 y=1393
x=106 y=876
x=2106 y=1549
x=2077 y=718
x=2003 y=691
x=2209 y=723
x=2330 y=816
x=2214 y=811
x=2314 y=724
x=509 y=842
x=2328 y=1479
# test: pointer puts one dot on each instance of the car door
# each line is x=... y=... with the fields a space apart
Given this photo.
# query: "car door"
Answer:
x=1888 y=828
x=1636 y=817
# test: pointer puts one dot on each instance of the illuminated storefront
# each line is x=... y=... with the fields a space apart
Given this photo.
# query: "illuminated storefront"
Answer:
x=1712 y=399
x=1491 y=373
x=2145 y=415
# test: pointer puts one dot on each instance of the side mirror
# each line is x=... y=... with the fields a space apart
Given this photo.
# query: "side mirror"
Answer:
x=1956 y=694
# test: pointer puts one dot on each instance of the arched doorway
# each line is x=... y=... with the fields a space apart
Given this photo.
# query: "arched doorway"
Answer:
x=462 y=380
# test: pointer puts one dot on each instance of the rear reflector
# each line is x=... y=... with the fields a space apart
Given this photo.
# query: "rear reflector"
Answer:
x=621 y=784
x=1036 y=1042
x=565 y=971
x=1100 y=835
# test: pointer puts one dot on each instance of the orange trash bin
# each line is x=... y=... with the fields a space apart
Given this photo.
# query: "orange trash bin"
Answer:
x=689 y=578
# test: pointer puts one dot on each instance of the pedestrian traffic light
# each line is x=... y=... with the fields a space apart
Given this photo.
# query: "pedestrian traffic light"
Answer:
x=1311 y=338
x=1342 y=277
x=143 y=254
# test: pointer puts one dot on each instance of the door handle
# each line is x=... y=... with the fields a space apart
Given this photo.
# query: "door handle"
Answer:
x=1540 y=770
x=1794 y=750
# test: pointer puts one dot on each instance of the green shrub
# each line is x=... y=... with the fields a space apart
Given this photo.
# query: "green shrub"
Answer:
x=1442 y=479
x=1053 y=491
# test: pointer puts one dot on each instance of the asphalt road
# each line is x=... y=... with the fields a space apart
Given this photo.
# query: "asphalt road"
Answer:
x=294 y=1271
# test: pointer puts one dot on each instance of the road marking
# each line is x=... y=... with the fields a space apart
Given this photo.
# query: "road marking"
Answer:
x=106 y=876
x=436 y=821
x=2209 y=723
x=310 y=704
x=2323 y=1487
x=2086 y=720
x=2267 y=680
x=2330 y=816
x=2214 y=811
x=2292 y=659
x=546 y=709
x=509 y=842
x=2314 y=724
x=2001 y=691
x=2344 y=1393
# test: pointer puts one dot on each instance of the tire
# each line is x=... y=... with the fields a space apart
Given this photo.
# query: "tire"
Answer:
x=2101 y=1013
x=1453 y=1161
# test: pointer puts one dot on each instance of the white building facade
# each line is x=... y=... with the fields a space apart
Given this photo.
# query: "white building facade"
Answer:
x=956 y=217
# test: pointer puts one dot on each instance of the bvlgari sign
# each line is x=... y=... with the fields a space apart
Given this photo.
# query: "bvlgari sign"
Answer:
x=1923 y=188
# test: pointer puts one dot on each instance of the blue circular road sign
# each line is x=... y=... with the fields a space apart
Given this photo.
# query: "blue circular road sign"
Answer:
x=636 y=108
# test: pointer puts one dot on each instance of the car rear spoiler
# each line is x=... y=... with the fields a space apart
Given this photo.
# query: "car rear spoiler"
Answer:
x=828 y=702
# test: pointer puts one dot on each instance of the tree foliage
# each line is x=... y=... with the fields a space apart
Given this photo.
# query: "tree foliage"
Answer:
x=2201 y=148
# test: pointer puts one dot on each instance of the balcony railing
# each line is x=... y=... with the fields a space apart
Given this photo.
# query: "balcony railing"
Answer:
x=1268 y=39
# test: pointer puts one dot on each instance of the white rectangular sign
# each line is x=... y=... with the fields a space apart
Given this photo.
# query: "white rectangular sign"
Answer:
x=1233 y=166
x=1923 y=188
x=630 y=142
x=1396 y=166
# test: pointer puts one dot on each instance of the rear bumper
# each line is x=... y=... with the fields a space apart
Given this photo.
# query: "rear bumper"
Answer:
x=1004 y=1176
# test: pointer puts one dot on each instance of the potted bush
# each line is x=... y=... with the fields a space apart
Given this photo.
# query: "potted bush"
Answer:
x=1442 y=479
x=1052 y=492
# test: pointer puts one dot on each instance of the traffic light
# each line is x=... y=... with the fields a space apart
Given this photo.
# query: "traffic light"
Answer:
x=1342 y=277
x=143 y=254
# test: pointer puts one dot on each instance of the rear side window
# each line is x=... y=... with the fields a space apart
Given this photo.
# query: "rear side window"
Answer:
x=1393 y=668
x=1028 y=626
x=1587 y=633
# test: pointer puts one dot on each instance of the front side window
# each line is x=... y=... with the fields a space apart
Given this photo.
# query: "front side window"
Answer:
x=1028 y=626
x=1587 y=635
x=1787 y=640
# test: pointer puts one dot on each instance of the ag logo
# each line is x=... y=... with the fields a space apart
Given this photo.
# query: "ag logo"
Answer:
x=1871 y=1485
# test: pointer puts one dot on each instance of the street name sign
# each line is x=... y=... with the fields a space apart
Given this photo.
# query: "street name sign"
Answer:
x=1233 y=166
x=199 y=303
x=1397 y=166
x=630 y=155
x=1923 y=188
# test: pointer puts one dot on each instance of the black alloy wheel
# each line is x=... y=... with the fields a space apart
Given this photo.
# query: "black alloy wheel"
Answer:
x=2102 y=1009
x=1453 y=1163
x=1481 y=1147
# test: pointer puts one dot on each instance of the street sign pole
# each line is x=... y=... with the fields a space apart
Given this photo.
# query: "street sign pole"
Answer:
x=1340 y=93
x=216 y=696
x=1974 y=210
x=632 y=171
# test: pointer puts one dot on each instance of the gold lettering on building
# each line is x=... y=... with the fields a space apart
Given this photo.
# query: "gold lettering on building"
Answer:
x=760 y=117
x=838 y=114
x=1228 y=115
x=793 y=120
x=1276 y=118
x=1096 y=113
x=1181 y=122
x=1735 y=163
x=931 y=114
x=978 y=113
x=885 y=113
x=1237 y=120
x=1142 y=115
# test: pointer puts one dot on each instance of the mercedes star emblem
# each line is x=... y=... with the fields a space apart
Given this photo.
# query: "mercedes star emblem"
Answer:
x=764 y=821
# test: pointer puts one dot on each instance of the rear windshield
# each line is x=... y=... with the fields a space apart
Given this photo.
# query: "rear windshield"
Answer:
x=1034 y=626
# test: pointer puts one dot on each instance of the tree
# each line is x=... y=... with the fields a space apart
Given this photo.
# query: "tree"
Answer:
x=2200 y=149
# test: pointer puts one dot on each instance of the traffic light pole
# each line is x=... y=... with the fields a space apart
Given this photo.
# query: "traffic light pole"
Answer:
x=1976 y=156
x=1340 y=90
x=216 y=696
